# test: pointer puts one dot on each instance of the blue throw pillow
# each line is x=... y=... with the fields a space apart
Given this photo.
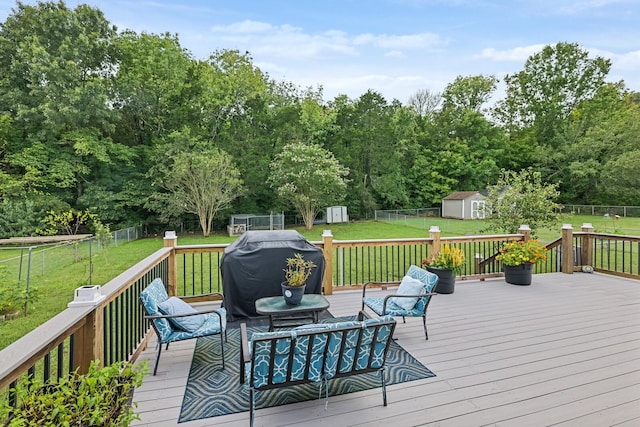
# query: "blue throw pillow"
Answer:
x=408 y=286
x=175 y=305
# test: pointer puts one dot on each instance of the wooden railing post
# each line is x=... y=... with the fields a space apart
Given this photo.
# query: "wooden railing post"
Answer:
x=434 y=233
x=567 y=249
x=171 y=241
x=526 y=230
x=478 y=268
x=327 y=283
x=586 y=247
x=88 y=344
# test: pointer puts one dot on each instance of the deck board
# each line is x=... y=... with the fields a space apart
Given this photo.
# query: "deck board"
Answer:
x=563 y=351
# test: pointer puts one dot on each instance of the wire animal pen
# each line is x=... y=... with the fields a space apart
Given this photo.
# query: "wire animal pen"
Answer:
x=244 y=222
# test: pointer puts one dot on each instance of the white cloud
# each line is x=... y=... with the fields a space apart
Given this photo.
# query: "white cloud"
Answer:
x=395 y=54
x=574 y=7
x=406 y=41
x=521 y=53
x=621 y=61
x=244 y=27
x=286 y=41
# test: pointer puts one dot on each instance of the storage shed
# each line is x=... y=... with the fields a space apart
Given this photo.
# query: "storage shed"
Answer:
x=337 y=214
x=464 y=205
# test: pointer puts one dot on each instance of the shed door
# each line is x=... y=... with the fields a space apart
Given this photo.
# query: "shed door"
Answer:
x=477 y=209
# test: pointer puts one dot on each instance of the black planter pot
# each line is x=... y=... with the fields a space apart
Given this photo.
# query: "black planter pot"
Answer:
x=518 y=274
x=292 y=294
x=446 y=280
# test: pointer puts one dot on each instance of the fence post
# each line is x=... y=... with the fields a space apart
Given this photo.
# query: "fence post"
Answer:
x=567 y=249
x=434 y=233
x=476 y=264
x=586 y=250
x=171 y=241
x=88 y=344
x=526 y=230
x=327 y=247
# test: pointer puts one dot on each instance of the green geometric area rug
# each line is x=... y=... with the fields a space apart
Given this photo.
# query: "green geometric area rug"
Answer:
x=212 y=391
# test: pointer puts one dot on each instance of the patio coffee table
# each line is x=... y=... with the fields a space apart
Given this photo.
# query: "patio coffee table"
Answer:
x=282 y=315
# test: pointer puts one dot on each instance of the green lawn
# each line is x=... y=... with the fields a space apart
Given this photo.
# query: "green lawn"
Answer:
x=57 y=284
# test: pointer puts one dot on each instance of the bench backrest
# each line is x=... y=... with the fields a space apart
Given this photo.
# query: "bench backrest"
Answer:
x=316 y=352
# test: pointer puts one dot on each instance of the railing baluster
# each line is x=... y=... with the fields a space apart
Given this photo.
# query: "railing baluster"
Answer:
x=46 y=368
x=60 y=360
x=72 y=346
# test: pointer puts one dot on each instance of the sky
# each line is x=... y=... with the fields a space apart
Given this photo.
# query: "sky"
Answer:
x=393 y=47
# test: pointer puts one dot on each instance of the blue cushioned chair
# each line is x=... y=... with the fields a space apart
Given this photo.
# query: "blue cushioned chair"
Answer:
x=215 y=320
x=314 y=353
x=386 y=306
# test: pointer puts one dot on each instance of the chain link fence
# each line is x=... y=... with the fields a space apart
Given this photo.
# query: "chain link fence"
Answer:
x=29 y=264
x=417 y=218
x=602 y=210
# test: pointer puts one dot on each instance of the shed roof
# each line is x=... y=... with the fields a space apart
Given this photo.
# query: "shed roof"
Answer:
x=461 y=195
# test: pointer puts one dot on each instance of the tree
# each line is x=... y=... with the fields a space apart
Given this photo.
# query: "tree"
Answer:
x=202 y=182
x=469 y=93
x=366 y=142
x=598 y=131
x=553 y=82
x=68 y=222
x=56 y=66
x=309 y=178
x=521 y=198
x=620 y=179
x=153 y=87
x=229 y=80
x=424 y=102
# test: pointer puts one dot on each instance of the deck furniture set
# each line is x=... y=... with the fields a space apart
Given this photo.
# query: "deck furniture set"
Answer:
x=297 y=349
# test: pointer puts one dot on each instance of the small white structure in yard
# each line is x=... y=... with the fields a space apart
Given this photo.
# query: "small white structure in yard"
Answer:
x=337 y=214
x=245 y=222
x=464 y=205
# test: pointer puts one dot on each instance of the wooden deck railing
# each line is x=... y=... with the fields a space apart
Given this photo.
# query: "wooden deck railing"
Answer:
x=114 y=329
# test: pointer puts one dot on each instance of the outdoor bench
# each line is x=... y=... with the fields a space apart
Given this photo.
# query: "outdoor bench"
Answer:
x=314 y=354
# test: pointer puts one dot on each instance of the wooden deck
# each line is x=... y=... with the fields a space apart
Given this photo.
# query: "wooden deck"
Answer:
x=563 y=351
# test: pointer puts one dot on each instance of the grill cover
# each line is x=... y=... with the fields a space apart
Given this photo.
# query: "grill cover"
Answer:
x=252 y=267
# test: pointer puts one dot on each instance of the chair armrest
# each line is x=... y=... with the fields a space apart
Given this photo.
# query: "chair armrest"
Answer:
x=362 y=315
x=244 y=350
x=386 y=298
x=186 y=298
x=171 y=316
x=378 y=284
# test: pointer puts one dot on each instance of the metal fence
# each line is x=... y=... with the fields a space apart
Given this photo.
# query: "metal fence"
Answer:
x=126 y=235
x=29 y=265
x=418 y=218
x=602 y=210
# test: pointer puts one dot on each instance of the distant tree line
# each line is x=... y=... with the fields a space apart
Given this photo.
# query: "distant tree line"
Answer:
x=107 y=121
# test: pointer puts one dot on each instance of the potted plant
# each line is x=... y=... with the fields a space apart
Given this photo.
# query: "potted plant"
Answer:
x=102 y=397
x=296 y=274
x=518 y=258
x=446 y=264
